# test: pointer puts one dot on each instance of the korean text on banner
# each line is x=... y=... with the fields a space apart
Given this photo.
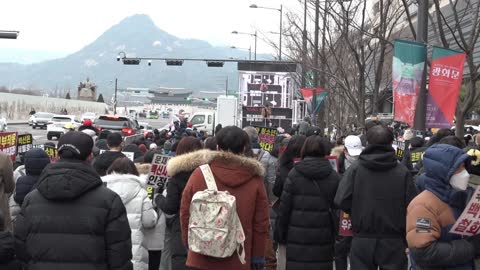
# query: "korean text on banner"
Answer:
x=408 y=65
x=24 y=143
x=266 y=138
x=468 y=223
x=157 y=178
x=51 y=152
x=446 y=73
x=345 y=226
x=8 y=144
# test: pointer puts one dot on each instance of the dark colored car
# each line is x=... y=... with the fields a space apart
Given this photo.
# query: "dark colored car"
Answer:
x=126 y=125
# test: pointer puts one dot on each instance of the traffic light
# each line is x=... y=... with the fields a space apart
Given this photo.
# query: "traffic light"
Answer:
x=174 y=62
x=214 y=64
x=131 y=61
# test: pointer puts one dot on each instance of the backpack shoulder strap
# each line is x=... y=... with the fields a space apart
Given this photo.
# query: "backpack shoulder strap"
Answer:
x=209 y=179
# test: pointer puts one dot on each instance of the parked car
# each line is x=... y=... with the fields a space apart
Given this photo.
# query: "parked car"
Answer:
x=126 y=125
x=56 y=126
x=40 y=119
x=153 y=115
x=3 y=124
x=88 y=115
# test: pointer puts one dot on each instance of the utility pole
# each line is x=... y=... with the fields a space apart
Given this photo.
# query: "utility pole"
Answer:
x=422 y=36
x=115 y=99
x=304 y=46
x=315 y=60
x=255 y=45
x=226 y=87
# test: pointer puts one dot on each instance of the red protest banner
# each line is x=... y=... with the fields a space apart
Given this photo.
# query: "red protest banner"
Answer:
x=8 y=144
x=345 y=226
x=446 y=73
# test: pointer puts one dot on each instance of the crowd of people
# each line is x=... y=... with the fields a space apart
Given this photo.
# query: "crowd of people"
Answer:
x=91 y=208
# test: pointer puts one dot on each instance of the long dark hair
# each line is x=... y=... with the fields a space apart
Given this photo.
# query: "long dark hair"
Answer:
x=187 y=145
x=316 y=146
x=293 y=150
x=123 y=165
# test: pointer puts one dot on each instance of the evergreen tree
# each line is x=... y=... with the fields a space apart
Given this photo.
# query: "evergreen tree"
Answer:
x=68 y=96
x=100 y=99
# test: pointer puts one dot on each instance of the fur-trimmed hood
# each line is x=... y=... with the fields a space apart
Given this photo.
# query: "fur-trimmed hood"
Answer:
x=143 y=168
x=191 y=161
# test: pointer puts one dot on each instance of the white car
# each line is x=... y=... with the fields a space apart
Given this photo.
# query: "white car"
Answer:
x=89 y=115
x=56 y=126
x=3 y=124
x=40 y=119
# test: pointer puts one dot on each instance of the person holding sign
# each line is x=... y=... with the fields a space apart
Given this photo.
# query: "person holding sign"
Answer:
x=433 y=212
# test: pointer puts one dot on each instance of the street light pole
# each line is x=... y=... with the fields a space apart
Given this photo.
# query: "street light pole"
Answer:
x=281 y=23
x=115 y=101
x=250 y=34
x=255 y=54
x=280 y=46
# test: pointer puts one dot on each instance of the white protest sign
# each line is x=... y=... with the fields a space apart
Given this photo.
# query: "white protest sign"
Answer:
x=158 y=174
x=468 y=223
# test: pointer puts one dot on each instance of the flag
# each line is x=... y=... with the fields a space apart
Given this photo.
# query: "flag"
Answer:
x=446 y=72
x=408 y=65
x=308 y=93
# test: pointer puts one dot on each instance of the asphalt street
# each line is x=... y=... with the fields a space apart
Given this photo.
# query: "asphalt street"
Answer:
x=40 y=135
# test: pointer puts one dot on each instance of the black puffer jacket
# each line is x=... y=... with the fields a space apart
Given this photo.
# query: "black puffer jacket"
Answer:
x=71 y=221
x=7 y=252
x=305 y=214
x=376 y=192
x=35 y=161
x=103 y=161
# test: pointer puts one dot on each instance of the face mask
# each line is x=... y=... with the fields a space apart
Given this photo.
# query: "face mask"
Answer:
x=460 y=180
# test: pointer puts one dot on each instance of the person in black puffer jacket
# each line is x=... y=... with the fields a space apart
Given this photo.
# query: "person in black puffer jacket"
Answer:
x=104 y=160
x=376 y=192
x=72 y=221
x=35 y=161
x=305 y=212
x=179 y=168
x=7 y=251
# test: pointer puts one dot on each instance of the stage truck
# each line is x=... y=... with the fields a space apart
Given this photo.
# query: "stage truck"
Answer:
x=268 y=96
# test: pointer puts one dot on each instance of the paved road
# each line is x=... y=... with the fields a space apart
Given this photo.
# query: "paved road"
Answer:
x=40 y=135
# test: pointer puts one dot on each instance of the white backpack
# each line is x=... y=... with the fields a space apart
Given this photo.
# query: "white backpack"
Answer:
x=214 y=228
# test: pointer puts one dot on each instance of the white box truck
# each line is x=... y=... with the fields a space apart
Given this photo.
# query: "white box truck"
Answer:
x=226 y=114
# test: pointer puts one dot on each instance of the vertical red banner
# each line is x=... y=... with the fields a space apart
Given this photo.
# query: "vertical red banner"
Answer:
x=446 y=73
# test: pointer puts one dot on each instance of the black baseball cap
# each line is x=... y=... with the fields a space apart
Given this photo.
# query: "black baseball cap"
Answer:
x=75 y=145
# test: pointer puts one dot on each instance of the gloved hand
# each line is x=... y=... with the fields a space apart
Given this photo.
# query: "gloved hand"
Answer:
x=258 y=263
x=475 y=241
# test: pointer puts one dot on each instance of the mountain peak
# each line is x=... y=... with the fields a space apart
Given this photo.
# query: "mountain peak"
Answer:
x=137 y=20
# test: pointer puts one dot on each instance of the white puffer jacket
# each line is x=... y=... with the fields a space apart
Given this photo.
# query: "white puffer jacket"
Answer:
x=140 y=212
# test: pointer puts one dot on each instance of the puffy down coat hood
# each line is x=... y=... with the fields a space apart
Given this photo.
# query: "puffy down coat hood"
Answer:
x=67 y=180
x=440 y=162
x=35 y=161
